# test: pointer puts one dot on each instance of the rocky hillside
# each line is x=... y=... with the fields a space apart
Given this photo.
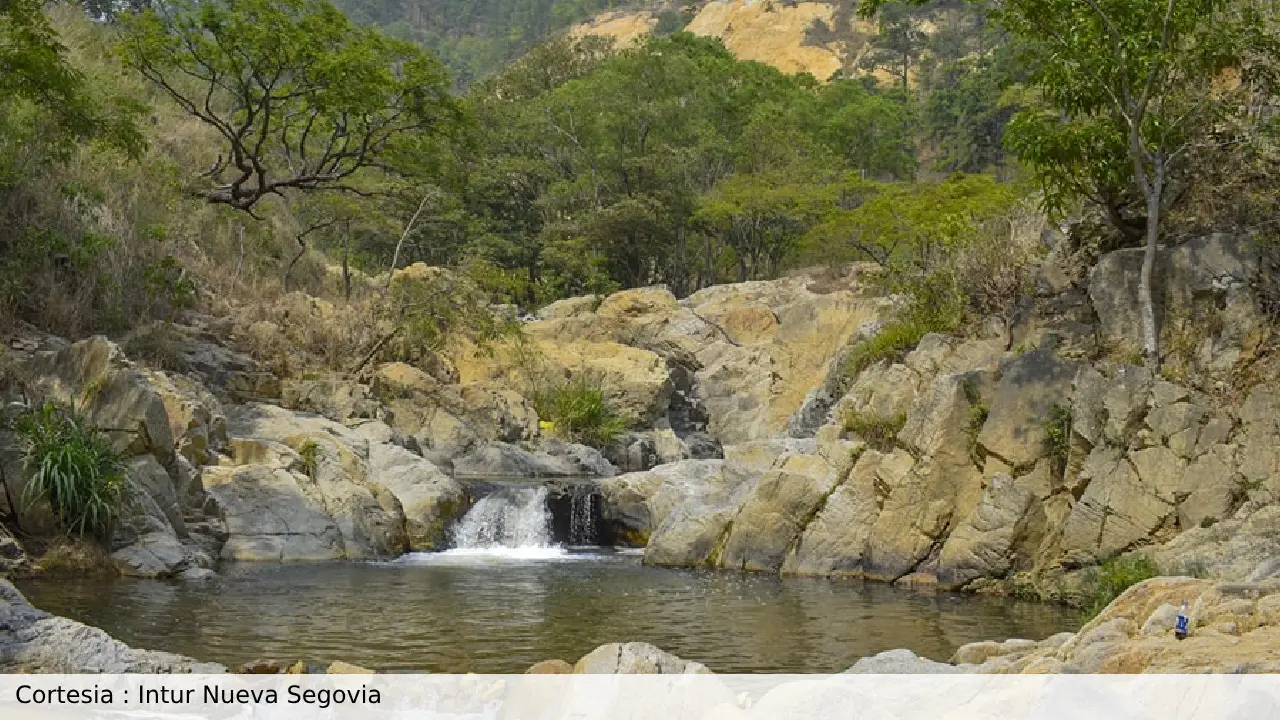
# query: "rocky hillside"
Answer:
x=1014 y=459
x=777 y=34
x=230 y=461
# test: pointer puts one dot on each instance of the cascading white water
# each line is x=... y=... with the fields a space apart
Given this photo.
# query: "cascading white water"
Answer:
x=511 y=518
x=582 y=516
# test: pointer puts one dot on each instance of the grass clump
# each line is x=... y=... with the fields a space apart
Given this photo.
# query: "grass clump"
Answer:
x=579 y=411
x=73 y=467
x=894 y=341
x=937 y=305
x=977 y=418
x=877 y=432
x=1114 y=577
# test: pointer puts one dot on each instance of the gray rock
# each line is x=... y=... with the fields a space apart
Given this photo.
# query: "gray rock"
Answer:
x=635 y=658
x=429 y=499
x=639 y=505
x=1216 y=271
x=154 y=555
x=900 y=662
x=196 y=574
x=1030 y=385
x=32 y=641
x=502 y=460
x=269 y=517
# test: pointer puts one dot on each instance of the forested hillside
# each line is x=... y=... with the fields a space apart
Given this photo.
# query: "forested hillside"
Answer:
x=475 y=38
x=191 y=158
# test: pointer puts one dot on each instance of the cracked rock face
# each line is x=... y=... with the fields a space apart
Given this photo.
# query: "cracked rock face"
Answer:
x=1011 y=468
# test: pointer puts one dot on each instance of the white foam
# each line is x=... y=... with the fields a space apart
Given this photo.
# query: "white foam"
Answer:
x=491 y=556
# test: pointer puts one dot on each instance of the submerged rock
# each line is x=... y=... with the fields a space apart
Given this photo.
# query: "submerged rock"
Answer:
x=33 y=641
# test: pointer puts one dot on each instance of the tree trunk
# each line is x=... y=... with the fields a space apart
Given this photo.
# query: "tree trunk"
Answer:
x=395 y=257
x=346 y=265
x=1146 y=305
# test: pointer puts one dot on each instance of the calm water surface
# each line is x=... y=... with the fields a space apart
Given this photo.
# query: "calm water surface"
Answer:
x=458 y=612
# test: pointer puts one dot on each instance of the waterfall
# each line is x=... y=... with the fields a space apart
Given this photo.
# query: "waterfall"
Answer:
x=582 y=516
x=511 y=518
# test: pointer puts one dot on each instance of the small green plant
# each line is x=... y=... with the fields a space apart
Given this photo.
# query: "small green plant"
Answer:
x=309 y=451
x=1057 y=436
x=579 y=411
x=73 y=466
x=1114 y=577
x=1022 y=587
x=877 y=432
x=977 y=418
x=94 y=387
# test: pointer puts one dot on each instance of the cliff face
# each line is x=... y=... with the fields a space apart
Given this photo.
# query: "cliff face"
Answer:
x=795 y=37
x=772 y=33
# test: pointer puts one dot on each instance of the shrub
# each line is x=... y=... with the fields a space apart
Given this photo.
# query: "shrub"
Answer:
x=877 y=432
x=1114 y=577
x=158 y=345
x=309 y=451
x=977 y=418
x=579 y=410
x=72 y=466
x=1057 y=429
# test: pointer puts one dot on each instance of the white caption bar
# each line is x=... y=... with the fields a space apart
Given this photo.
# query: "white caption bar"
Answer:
x=639 y=697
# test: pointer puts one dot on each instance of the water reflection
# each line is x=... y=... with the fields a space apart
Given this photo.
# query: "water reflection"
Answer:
x=445 y=614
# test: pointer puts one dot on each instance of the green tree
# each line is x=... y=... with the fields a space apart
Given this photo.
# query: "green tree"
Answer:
x=300 y=97
x=1127 y=89
x=898 y=43
x=1138 y=84
x=761 y=218
x=34 y=70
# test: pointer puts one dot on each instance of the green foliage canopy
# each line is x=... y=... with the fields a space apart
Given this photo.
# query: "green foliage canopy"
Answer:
x=302 y=98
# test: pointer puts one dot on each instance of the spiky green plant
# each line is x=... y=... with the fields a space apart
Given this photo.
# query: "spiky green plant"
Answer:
x=73 y=466
x=580 y=411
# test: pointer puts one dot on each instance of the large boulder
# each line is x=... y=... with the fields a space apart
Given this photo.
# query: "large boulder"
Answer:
x=32 y=641
x=97 y=377
x=270 y=516
x=1031 y=385
x=302 y=487
x=429 y=499
x=776 y=513
x=1207 y=281
x=638 y=503
x=834 y=542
